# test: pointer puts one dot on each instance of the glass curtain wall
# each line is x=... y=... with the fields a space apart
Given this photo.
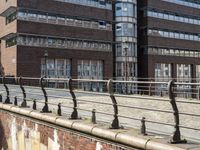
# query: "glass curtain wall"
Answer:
x=90 y=69
x=184 y=74
x=163 y=73
x=126 y=44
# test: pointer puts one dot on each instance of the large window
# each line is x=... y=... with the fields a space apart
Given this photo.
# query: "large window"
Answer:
x=56 y=68
x=163 y=72
x=125 y=29
x=126 y=69
x=174 y=17
x=174 y=34
x=63 y=43
x=94 y=3
x=188 y=3
x=37 y=16
x=198 y=72
x=172 y=52
x=11 y=42
x=125 y=10
x=11 y=18
x=184 y=72
x=90 y=69
x=131 y=51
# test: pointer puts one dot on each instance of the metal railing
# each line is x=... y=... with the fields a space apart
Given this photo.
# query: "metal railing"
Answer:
x=71 y=99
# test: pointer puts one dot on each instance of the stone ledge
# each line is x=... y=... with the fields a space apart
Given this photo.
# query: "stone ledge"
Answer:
x=129 y=137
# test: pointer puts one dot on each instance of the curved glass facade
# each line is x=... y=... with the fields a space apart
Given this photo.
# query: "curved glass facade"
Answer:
x=125 y=29
x=126 y=47
x=125 y=9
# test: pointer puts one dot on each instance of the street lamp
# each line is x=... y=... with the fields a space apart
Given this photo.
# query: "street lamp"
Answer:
x=45 y=61
x=126 y=65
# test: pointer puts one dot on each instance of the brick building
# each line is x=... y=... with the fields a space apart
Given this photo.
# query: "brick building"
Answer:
x=57 y=38
x=99 y=39
x=168 y=39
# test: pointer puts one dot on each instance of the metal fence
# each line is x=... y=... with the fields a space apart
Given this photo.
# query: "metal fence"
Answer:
x=103 y=103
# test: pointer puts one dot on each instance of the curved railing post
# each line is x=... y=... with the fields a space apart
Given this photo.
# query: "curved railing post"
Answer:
x=7 y=101
x=115 y=123
x=24 y=103
x=177 y=135
x=74 y=114
x=45 y=109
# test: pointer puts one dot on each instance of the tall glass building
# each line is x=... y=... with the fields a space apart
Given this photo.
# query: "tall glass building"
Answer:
x=125 y=42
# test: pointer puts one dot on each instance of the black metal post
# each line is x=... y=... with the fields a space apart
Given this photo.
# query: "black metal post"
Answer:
x=94 y=116
x=24 y=103
x=177 y=135
x=7 y=101
x=34 y=105
x=59 y=112
x=15 y=101
x=143 y=126
x=115 y=123
x=45 y=109
x=1 y=98
x=74 y=114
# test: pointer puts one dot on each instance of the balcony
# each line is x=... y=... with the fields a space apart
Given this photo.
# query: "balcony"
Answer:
x=8 y=7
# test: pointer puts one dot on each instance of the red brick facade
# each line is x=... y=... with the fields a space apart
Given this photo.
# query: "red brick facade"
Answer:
x=67 y=139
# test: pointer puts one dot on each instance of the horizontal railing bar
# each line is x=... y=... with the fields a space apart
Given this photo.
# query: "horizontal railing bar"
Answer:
x=189 y=114
x=188 y=102
x=189 y=128
x=156 y=122
x=94 y=93
x=143 y=97
x=96 y=102
x=143 y=108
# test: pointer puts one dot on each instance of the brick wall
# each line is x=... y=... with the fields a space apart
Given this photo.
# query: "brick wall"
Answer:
x=17 y=132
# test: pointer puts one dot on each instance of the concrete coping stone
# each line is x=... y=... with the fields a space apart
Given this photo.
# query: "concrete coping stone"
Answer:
x=7 y=106
x=63 y=121
x=1 y=105
x=13 y=109
x=84 y=126
x=24 y=111
x=124 y=136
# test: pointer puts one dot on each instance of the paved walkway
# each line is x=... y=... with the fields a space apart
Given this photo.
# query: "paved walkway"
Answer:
x=193 y=122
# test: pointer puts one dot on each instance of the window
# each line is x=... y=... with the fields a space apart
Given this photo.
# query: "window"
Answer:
x=38 y=16
x=90 y=69
x=125 y=9
x=11 y=42
x=125 y=29
x=11 y=18
x=162 y=71
x=56 y=67
x=173 y=16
